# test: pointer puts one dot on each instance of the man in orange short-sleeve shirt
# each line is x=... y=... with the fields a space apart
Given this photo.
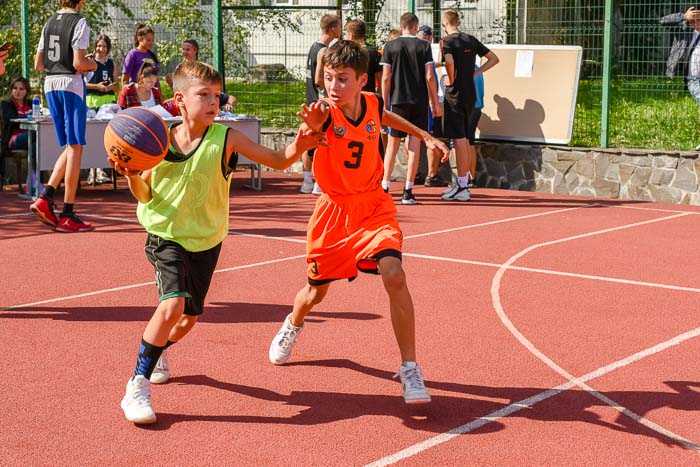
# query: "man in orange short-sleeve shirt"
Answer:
x=353 y=227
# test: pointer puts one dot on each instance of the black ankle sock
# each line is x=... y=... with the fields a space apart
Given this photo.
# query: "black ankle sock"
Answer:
x=168 y=344
x=48 y=193
x=67 y=209
x=147 y=359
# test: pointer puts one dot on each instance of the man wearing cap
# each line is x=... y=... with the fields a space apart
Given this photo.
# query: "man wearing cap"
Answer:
x=408 y=87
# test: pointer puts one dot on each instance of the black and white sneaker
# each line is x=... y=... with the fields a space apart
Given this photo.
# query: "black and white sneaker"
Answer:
x=408 y=197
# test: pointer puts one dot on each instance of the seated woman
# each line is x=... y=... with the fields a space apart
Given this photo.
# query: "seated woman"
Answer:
x=18 y=104
x=143 y=92
x=101 y=84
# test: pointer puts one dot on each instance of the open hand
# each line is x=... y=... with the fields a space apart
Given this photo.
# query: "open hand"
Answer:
x=315 y=115
x=308 y=139
x=435 y=144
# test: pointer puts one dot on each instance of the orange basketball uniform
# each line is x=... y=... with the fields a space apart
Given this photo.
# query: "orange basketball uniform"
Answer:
x=354 y=219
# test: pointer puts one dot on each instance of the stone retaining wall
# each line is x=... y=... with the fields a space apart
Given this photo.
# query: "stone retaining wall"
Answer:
x=634 y=174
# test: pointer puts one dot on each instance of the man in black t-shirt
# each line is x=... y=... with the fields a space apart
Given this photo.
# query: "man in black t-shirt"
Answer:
x=408 y=87
x=459 y=51
x=330 y=30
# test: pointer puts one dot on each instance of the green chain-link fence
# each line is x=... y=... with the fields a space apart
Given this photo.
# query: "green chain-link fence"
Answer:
x=266 y=42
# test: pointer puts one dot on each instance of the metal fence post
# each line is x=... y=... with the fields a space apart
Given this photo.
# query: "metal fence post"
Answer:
x=218 y=37
x=412 y=6
x=25 y=38
x=607 y=72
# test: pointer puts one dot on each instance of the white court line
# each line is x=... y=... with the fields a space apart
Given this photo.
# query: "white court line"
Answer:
x=556 y=273
x=500 y=221
x=531 y=401
x=572 y=381
x=142 y=284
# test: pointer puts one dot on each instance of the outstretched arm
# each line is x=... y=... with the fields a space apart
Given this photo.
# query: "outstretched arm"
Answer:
x=307 y=138
x=392 y=120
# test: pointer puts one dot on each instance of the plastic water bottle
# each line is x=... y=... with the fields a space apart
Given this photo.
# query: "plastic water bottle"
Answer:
x=36 y=106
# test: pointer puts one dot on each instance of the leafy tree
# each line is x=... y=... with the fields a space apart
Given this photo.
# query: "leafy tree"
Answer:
x=190 y=21
x=39 y=12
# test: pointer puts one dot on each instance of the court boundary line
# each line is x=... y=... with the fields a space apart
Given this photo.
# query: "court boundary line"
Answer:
x=572 y=380
x=142 y=284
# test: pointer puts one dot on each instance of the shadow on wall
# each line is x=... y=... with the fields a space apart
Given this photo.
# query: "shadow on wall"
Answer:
x=513 y=124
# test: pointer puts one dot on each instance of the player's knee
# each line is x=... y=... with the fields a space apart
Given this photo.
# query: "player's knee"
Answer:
x=393 y=274
x=172 y=310
x=315 y=295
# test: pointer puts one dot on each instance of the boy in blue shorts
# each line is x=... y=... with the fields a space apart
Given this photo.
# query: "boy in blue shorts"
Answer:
x=183 y=203
x=63 y=45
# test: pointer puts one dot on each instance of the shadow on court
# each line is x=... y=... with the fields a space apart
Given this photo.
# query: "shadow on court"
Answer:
x=216 y=312
x=445 y=412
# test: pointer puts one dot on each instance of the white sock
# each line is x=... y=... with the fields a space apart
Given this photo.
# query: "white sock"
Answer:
x=409 y=185
x=308 y=177
x=463 y=181
x=386 y=184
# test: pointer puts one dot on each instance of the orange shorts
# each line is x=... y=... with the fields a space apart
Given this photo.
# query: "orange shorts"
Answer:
x=345 y=229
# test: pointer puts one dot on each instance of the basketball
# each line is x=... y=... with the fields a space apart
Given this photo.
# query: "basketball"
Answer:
x=137 y=138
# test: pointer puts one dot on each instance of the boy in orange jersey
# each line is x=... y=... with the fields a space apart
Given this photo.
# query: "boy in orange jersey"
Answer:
x=353 y=227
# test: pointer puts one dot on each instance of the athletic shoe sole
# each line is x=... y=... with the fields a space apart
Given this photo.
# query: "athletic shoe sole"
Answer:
x=40 y=215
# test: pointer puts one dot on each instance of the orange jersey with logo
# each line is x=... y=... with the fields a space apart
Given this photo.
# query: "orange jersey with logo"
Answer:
x=352 y=162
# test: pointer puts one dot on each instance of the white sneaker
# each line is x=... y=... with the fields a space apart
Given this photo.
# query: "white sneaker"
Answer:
x=307 y=187
x=317 y=190
x=462 y=193
x=102 y=177
x=282 y=344
x=414 y=391
x=450 y=190
x=91 y=177
x=137 y=401
x=161 y=373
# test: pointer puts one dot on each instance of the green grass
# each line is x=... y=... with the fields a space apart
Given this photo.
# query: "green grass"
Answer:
x=275 y=103
x=653 y=114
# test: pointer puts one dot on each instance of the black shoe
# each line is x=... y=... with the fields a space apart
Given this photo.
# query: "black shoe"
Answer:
x=419 y=179
x=435 y=181
x=408 y=197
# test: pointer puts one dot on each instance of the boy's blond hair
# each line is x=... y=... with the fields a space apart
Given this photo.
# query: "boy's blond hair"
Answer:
x=451 y=17
x=189 y=71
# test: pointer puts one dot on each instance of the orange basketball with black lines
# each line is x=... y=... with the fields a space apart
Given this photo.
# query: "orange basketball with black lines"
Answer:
x=137 y=138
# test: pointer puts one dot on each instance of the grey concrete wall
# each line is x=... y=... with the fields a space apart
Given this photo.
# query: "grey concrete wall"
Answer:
x=634 y=174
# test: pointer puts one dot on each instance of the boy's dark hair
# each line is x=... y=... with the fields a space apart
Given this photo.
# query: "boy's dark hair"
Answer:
x=328 y=22
x=69 y=3
x=356 y=27
x=347 y=54
x=105 y=38
x=408 y=20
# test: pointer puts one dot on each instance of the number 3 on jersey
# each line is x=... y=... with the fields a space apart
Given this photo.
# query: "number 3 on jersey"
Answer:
x=356 y=154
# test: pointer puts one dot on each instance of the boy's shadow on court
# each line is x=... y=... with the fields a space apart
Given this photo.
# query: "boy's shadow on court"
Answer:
x=473 y=408
x=215 y=312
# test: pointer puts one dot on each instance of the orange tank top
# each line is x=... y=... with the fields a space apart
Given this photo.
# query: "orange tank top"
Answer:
x=352 y=162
